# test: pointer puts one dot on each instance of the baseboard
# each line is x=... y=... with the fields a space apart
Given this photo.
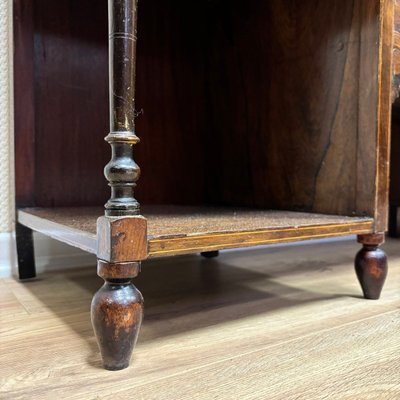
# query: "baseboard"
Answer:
x=7 y=254
x=49 y=255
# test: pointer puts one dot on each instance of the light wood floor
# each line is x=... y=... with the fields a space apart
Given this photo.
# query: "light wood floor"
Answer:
x=275 y=323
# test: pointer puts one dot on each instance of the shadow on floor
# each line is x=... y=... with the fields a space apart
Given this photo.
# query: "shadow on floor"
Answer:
x=192 y=292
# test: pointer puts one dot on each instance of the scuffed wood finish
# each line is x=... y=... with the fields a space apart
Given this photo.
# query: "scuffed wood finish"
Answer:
x=178 y=230
x=122 y=172
x=117 y=308
x=371 y=265
x=117 y=313
x=121 y=239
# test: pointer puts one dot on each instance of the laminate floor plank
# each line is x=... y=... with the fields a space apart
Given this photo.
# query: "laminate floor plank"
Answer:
x=260 y=322
x=322 y=365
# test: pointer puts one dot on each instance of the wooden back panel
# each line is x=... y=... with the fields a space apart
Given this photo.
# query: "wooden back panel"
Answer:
x=296 y=103
x=258 y=103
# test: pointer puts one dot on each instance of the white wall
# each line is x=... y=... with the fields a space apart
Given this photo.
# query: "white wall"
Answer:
x=7 y=252
x=6 y=142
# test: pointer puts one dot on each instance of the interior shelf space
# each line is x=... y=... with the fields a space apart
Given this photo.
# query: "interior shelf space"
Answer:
x=188 y=229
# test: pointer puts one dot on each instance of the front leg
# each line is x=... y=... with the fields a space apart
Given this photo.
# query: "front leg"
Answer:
x=371 y=265
x=117 y=313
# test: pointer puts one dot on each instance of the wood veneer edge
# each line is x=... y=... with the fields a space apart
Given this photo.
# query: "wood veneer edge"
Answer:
x=171 y=246
x=386 y=40
x=84 y=240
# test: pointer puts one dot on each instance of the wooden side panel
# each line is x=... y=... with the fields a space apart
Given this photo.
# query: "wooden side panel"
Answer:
x=384 y=115
x=24 y=112
x=294 y=114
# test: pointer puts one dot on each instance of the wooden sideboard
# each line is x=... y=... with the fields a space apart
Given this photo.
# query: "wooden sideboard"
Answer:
x=261 y=122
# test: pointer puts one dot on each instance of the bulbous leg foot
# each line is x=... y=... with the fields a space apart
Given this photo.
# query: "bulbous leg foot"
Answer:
x=210 y=254
x=117 y=313
x=371 y=265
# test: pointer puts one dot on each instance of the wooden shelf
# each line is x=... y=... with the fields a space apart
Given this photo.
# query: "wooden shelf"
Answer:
x=186 y=229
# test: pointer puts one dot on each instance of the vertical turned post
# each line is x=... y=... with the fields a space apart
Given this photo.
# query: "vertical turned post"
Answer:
x=371 y=265
x=117 y=308
x=122 y=172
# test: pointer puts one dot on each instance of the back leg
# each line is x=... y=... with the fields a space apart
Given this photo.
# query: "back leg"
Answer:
x=210 y=254
x=25 y=252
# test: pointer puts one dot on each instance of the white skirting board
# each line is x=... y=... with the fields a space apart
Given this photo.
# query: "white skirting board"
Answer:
x=52 y=255
x=49 y=255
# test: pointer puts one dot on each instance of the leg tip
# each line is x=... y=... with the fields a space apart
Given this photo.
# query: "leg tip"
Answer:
x=372 y=296
x=115 y=367
x=25 y=278
x=210 y=254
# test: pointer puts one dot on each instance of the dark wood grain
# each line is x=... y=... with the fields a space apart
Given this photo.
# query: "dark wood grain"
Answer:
x=292 y=96
x=371 y=265
x=24 y=108
x=381 y=204
x=122 y=239
x=117 y=313
x=71 y=102
x=122 y=172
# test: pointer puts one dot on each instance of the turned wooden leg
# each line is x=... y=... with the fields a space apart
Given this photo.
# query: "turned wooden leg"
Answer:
x=117 y=312
x=25 y=252
x=210 y=254
x=117 y=308
x=371 y=265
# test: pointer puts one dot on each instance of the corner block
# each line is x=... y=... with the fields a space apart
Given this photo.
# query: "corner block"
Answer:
x=122 y=239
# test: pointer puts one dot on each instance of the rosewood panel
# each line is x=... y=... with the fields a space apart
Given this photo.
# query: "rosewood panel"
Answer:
x=71 y=104
x=293 y=103
x=24 y=109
